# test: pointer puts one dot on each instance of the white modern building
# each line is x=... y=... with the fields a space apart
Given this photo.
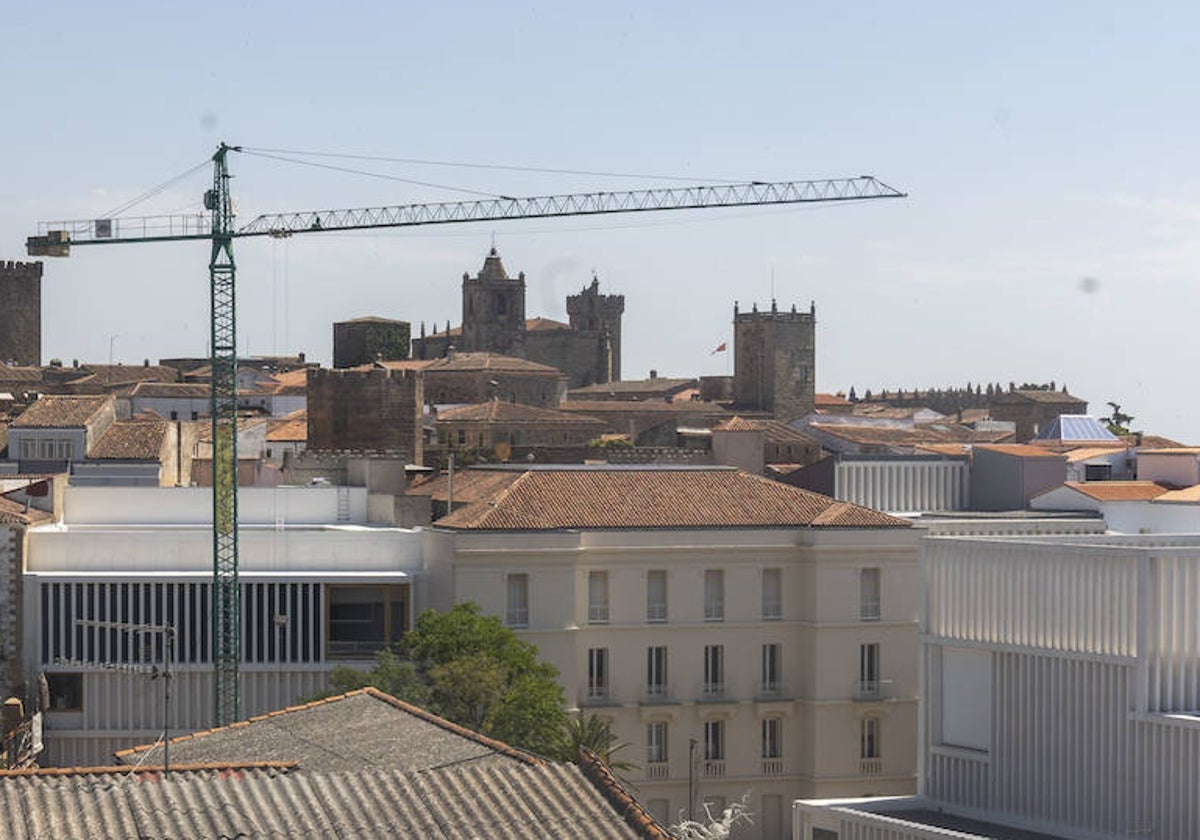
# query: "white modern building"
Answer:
x=741 y=635
x=321 y=584
x=1061 y=694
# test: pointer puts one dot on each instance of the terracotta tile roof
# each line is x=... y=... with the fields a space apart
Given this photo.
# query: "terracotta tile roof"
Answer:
x=289 y=429
x=469 y=485
x=598 y=407
x=830 y=400
x=1186 y=495
x=109 y=375
x=944 y=448
x=1019 y=396
x=399 y=364
x=1086 y=453
x=293 y=381
x=923 y=435
x=500 y=411
x=1118 y=491
x=1020 y=450
x=552 y=499
x=492 y=362
x=1171 y=450
x=14 y=513
x=738 y=424
x=657 y=387
x=16 y=373
x=147 y=773
x=371 y=319
x=1150 y=441
x=131 y=441
x=537 y=324
x=170 y=390
x=61 y=412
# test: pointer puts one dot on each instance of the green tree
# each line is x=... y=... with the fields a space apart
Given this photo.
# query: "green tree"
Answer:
x=390 y=674
x=1118 y=421
x=592 y=733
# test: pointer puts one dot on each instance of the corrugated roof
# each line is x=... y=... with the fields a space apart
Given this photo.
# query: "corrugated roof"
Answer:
x=500 y=411
x=61 y=412
x=363 y=728
x=453 y=802
x=551 y=499
x=131 y=441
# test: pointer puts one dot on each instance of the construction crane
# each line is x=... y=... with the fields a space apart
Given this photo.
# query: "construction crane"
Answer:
x=55 y=239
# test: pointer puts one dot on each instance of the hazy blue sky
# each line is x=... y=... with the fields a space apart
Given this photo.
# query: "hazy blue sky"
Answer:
x=1041 y=143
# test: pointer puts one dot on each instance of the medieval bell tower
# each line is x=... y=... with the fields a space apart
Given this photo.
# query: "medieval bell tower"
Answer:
x=493 y=310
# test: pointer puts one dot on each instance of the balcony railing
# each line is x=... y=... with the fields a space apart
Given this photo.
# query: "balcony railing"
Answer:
x=656 y=612
x=771 y=690
x=772 y=610
x=869 y=611
x=713 y=768
x=712 y=692
x=658 y=770
x=517 y=617
x=871 y=766
x=867 y=690
x=597 y=613
x=597 y=695
x=772 y=766
x=657 y=693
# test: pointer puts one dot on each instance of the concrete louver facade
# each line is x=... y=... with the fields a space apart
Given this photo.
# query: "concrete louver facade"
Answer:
x=315 y=570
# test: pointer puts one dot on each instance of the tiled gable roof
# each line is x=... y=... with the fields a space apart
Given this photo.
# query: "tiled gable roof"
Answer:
x=171 y=390
x=1021 y=396
x=738 y=424
x=923 y=435
x=541 y=324
x=659 y=386
x=1020 y=450
x=289 y=429
x=1118 y=491
x=363 y=728
x=469 y=485
x=61 y=412
x=131 y=441
x=109 y=375
x=492 y=362
x=1186 y=495
x=500 y=411
x=552 y=499
x=17 y=374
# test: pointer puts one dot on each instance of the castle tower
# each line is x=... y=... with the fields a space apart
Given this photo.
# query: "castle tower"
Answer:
x=774 y=361
x=365 y=340
x=598 y=318
x=493 y=310
x=21 y=313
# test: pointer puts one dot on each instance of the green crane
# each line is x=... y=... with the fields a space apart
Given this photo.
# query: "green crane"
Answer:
x=54 y=239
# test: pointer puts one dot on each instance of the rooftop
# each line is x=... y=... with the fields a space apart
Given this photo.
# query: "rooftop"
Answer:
x=501 y=411
x=131 y=441
x=1118 y=491
x=554 y=498
x=61 y=412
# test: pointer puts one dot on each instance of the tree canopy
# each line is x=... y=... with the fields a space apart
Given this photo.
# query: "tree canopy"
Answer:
x=471 y=669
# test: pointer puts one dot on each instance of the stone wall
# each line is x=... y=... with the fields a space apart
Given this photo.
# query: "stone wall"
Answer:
x=365 y=340
x=376 y=410
x=467 y=387
x=775 y=361
x=21 y=313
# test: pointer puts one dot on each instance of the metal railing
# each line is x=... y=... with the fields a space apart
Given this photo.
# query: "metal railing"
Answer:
x=870 y=766
x=713 y=768
x=867 y=690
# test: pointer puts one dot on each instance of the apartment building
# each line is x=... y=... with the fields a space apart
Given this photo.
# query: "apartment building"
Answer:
x=742 y=636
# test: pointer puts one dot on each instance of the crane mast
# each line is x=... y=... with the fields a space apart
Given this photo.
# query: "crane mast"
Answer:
x=54 y=239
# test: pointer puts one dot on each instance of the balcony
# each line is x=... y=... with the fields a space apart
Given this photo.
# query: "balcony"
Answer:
x=597 y=613
x=869 y=611
x=597 y=695
x=772 y=690
x=657 y=771
x=656 y=612
x=657 y=693
x=866 y=691
x=713 y=692
x=772 y=610
x=772 y=766
x=870 y=766
x=713 y=768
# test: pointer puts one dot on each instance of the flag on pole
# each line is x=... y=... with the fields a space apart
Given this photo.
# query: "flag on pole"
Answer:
x=720 y=349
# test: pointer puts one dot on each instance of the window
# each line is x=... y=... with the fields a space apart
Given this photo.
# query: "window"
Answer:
x=46 y=449
x=1097 y=472
x=656 y=671
x=597 y=673
x=869 y=740
x=462 y=437
x=772 y=595
x=714 y=595
x=772 y=738
x=770 y=669
x=868 y=662
x=656 y=742
x=597 y=597
x=174 y=415
x=868 y=599
x=365 y=619
x=66 y=692
x=714 y=740
x=501 y=305
x=714 y=670
x=516 y=613
x=656 y=595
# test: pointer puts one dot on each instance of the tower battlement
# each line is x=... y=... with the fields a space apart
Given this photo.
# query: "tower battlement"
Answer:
x=20 y=312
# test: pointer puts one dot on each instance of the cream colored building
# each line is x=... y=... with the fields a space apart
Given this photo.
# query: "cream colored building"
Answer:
x=741 y=635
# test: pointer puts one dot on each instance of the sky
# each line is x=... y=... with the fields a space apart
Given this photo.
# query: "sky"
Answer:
x=1051 y=229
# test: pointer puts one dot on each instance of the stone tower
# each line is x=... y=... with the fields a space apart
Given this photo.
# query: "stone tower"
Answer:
x=493 y=310
x=364 y=340
x=598 y=318
x=21 y=313
x=774 y=361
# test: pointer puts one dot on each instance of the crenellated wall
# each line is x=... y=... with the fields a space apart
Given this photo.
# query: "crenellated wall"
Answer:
x=20 y=313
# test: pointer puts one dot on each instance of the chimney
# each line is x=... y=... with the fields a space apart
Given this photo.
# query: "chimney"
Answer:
x=145 y=363
x=653 y=374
